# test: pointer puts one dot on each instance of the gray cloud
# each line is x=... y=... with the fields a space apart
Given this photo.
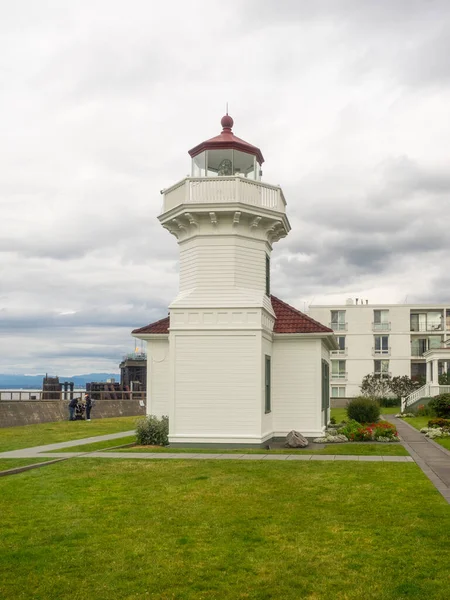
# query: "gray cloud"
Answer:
x=101 y=101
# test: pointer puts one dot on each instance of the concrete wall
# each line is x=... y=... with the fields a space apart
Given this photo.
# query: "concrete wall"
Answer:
x=28 y=413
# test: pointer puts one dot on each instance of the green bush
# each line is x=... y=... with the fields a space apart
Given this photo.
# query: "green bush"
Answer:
x=381 y=431
x=152 y=431
x=441 y=405
x=363 y=410
x=439 y=423
x=424 y=410
x=389 y=402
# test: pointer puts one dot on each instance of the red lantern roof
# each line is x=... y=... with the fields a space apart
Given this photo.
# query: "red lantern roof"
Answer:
x=227 y=140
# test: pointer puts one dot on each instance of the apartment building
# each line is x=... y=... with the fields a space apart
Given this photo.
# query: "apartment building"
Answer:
x=381 y=338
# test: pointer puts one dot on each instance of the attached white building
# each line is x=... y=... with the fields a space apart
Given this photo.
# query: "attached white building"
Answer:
x=381 y=338
x=232 y=365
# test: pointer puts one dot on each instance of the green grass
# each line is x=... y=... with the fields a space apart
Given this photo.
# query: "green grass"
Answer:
x=27 y=436
x=105 y=444
x=11 y=463
x=129 y=530
x=340 y=414
x=419 y=422
x=353 y=448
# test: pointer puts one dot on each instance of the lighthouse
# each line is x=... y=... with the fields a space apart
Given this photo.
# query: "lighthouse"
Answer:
x=212 y=363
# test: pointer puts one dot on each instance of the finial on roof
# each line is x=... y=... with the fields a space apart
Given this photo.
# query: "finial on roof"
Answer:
x=227 y=122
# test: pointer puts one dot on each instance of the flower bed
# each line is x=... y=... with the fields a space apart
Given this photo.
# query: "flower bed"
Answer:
x=382 y=431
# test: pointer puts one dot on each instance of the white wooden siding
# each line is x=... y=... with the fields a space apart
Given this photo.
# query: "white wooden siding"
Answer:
x=158 y=377
x=296 y=389
x=217 y=385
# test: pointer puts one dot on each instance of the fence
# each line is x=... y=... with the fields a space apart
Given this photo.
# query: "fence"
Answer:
x=52 y=396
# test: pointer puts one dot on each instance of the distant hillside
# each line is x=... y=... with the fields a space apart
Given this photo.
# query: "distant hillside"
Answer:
x=35 y=381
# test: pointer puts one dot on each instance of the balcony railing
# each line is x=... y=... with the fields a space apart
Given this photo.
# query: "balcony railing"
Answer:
x=381 y=351
x=417 y=352
x=205 y=190
x=338 y=326
x=384 y=374
x=340 y=352
x=341 y=376
x=386 y=326
x=419 y=327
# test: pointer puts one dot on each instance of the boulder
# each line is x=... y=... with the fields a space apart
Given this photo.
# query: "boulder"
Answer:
x=295 y=439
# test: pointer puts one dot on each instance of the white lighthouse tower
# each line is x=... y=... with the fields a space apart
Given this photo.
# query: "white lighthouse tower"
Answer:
x=225 y=220
x=232 y=364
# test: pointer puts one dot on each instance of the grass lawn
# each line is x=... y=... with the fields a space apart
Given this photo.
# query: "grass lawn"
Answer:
x=128 y=530
x=353 y=448
x=419 y=422
x=340 y=414
x=11 y=463
x=27 y=436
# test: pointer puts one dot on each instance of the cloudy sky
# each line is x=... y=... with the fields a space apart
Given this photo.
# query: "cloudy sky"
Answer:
x=100 y=100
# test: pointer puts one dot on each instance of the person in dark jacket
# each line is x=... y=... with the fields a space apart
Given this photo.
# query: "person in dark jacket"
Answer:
x=88 y=406
x=72 y=406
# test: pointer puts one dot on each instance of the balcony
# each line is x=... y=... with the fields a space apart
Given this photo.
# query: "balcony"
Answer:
x=338 y=326
x=381 y=351
x=208 y=190
x=339 y=376
x=386 y=326
x=340 y=352
x=423 y=327
x=417 y=352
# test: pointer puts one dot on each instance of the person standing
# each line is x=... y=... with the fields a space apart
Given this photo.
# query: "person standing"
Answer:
x=72 y=406
x=88 y=406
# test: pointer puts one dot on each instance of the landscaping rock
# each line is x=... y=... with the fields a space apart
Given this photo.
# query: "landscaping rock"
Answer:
x=331 y=431
x=295 y=439
x=331 y=439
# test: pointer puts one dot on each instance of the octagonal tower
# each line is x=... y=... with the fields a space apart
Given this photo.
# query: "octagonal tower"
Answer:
x=220 y=339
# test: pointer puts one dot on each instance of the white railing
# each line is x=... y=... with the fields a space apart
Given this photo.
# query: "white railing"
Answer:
x=381 y=351
x=339 y=376
x=422 y=392
x=52 y=396
x=429 y=389
x=381 y=326
x=338 y=326
x=209 y=190
x=340 y=352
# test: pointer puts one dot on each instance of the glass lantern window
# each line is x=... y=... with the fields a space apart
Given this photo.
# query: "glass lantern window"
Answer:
x=199 y=165
x=244 y=164
x=220 y=163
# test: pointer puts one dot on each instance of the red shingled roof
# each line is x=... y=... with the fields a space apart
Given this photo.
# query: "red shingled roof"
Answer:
x=288 y=320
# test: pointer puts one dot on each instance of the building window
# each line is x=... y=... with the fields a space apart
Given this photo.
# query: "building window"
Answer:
x=430 y=321
x=381 y=344
x=338 y=320
x=267 y=385
x=381 y=320
x=267 y=275
x=337 y=391
x=338 y=369
x=381 y=367
x=325 y=386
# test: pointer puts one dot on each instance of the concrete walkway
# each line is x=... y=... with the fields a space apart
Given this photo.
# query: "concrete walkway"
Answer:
x=433 y=459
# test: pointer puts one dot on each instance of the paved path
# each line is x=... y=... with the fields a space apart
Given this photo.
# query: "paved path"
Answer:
x=433 y=459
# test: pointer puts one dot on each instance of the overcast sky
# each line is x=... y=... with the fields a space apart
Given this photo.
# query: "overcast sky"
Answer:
x=100 y=101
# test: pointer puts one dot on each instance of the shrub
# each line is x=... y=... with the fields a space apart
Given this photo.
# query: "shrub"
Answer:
x=439 y=423
x=152 y=431
x=389 y=402
x=424 y=410
x=363 y=410
x=402 y=385
x=441 y=405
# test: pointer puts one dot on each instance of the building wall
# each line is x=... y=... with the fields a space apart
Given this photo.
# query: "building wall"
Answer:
x=296 y=385
x=158 y=377
x=216 y=387
x=359 y=334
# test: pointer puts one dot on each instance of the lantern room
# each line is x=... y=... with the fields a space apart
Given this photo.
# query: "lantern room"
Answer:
x=226 y=155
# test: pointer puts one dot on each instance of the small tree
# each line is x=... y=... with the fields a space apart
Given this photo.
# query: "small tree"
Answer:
x=444 y=379
x=375 y=386
x=402 y=386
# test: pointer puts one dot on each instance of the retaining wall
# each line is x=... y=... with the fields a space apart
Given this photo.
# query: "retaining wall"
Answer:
x=48 y=411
